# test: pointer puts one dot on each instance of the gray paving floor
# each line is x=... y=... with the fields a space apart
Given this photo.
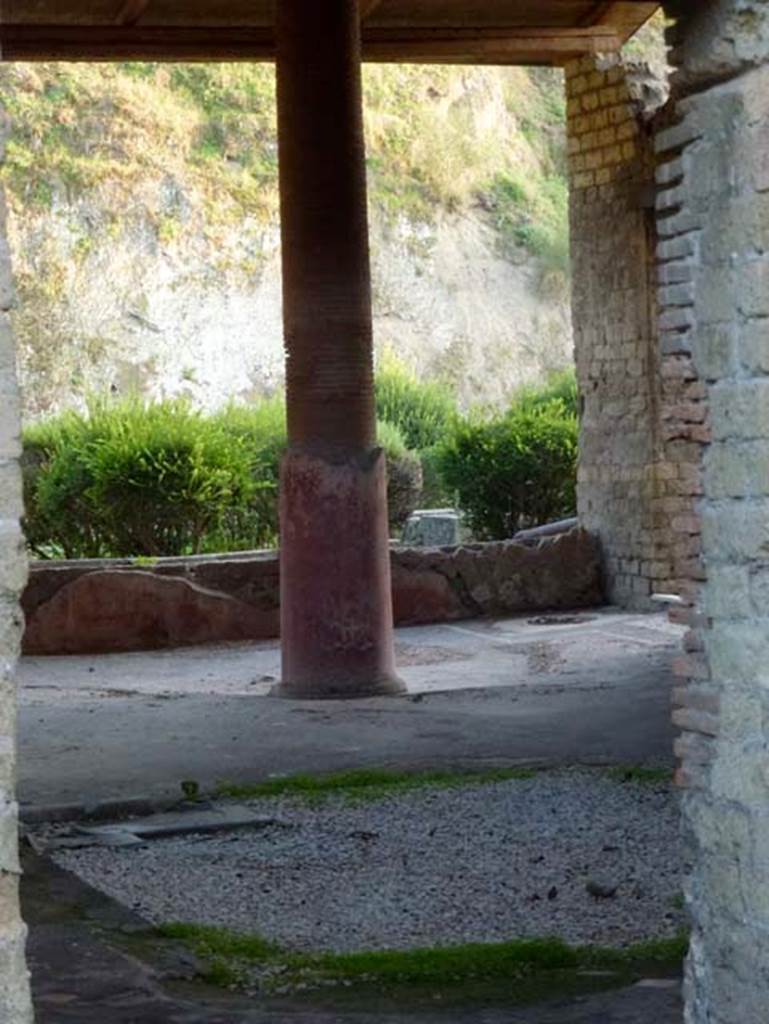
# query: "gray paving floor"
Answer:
x=595 y=689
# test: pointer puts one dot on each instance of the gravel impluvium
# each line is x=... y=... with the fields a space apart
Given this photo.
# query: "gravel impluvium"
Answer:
x=576 y=854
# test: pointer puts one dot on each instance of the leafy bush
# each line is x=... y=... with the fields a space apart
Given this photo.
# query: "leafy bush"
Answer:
x=404 y=474
x=261 y=428
x=422 y=411
x=58 y=519
x=132 y=479
x=513 y=471
x=435 y=491
x=136 y=479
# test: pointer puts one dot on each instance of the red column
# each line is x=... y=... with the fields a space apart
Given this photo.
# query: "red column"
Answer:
x=336 y=606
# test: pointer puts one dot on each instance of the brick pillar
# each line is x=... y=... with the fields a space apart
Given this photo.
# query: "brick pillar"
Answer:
x=336 y=604
x=15 y=1007
x=626 y=492
x=714 y=215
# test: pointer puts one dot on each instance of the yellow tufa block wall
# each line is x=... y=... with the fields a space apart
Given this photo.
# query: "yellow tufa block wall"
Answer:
x=642 y=417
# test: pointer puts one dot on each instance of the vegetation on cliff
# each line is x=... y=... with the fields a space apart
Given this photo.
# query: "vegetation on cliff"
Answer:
x=144 y=227
x=437 y=138
x=111 y=168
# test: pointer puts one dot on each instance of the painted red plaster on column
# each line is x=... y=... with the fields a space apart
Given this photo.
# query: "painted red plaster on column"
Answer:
x=336 y=608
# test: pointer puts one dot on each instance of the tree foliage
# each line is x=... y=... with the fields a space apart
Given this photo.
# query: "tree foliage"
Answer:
x=513 y=470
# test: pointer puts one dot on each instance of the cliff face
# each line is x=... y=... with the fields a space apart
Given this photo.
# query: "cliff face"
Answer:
x=143 y=223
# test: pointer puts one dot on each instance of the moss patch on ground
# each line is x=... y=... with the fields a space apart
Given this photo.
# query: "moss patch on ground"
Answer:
x=230 y=959
x=367 y=783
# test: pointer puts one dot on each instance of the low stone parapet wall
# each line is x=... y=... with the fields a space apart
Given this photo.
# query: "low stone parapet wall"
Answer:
x=101 y=606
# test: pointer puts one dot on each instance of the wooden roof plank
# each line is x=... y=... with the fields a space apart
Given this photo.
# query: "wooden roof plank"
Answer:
x=141 y=42
x=481 y=13
x=597 y=12
x=627 y=15
x=534 y=50
x=131 y=12
x=527 y=31
x=367 y=8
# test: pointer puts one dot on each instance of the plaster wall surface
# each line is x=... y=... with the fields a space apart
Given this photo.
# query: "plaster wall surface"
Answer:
x=15 y=1007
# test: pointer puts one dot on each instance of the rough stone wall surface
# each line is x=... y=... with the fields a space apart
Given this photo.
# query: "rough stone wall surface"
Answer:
x=15 y=1007
x=91 y=606
x=716 y=39
x=714 y=199
x=628 y=492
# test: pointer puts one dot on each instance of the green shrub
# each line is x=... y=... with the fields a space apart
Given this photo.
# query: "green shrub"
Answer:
x=131 y=479
x=513 y=471
x=404 y=474
x=435 y=491
x=134 y=479
x=261 y=428
x=58 y=519
x=422 y=411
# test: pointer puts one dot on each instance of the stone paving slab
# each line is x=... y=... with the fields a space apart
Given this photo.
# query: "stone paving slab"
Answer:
x=216 y=818
x=190 y=820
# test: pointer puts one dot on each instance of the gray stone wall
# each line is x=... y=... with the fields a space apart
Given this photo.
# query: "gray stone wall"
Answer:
x=716 y=39
x=714 y=180
x=15 y=1005
x=627 y=493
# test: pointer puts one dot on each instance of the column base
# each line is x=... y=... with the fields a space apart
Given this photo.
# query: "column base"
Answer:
x=389 y=686
x=336 y=593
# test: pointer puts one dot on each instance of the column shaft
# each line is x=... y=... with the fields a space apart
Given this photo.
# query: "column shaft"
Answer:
x=336 y=606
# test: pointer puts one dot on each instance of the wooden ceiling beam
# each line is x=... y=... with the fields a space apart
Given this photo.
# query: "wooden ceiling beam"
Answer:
x=138 y=42
x=598 y=13
x=484 y=46
x=367 y=7
x=626 y=16
x=131 y=12
x=460 y=45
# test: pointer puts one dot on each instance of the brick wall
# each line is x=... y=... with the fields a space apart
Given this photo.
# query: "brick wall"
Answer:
x=714 y=286
x=629 y=491
x=14 y=992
